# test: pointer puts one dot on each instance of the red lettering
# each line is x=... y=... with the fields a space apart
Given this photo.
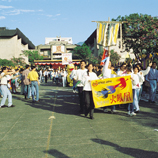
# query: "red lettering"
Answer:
x=127 y=96
x=119 y=97
x=113 y=99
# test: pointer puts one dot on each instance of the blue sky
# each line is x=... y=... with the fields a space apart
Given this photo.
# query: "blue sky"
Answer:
x=38 y=19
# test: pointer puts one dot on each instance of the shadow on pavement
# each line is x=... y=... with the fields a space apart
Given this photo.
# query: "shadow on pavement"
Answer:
x=56 y=153
x=138 y=153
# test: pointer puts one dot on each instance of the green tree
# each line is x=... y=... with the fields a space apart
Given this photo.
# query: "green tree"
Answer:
x=32 y=55
x=5 y=62
x=83 y=52
x=114 y=57
x=140 y=33
x=18 y=61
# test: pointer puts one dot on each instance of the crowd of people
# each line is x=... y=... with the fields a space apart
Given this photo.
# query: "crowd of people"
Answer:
x=83 y=77
x=28 y=81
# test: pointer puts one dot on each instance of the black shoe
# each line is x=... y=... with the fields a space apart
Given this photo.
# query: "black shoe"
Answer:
x=3 y=106
x=86 y=113
x=153 y=102
x=91 y=117
x=137 y=111
x=11 y=106
x=149 y=101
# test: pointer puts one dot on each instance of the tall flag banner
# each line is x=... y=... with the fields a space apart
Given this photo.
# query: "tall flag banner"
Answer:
x=110 y=35
x=105 y=55
x=112 y=91
x=101 y=33
x=107 y=34
x=115 y=34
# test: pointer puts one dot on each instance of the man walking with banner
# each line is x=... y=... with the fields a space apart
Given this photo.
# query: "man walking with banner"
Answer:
x=107 y=73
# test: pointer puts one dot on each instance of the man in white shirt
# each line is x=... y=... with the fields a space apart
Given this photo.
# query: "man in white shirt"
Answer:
x=108 y=73
x=4 y=88
x=78 y=78
x=46 y=75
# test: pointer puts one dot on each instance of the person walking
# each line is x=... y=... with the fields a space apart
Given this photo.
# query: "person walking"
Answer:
x=64 y=74
x=5 y=91
x=33 y=77
x=46 y=75
x=87 y=78
x=78 y=78
x=152 y=77
x=26 y=82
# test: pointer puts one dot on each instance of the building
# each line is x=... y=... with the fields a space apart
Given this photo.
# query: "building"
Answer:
x=52 y=51
x=13 y=43
x=54 y=39
x=97 y=49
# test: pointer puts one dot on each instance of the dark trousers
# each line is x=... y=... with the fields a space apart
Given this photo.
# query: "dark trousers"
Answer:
x=46 y=79
x=81 y=98
x=89 y=104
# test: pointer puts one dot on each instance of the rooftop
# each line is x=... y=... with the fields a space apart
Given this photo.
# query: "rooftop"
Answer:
x=4 y=32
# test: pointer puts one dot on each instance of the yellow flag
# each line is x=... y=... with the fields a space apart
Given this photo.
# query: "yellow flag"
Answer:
x=112 y=91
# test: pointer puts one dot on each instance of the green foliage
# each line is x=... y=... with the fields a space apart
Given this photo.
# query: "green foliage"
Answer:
x=83 y=52
x=114 y=57
x=18 y=61
x=5 y=62
x=33 y=55
x=140 y=32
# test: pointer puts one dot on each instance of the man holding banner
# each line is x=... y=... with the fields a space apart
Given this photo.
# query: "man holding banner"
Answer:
x=111 y=90
x=107 y=73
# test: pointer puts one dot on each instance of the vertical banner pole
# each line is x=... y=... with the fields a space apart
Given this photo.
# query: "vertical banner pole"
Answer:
x=121 y=35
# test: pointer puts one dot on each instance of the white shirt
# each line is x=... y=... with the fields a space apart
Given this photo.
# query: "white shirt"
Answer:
x=46 y=73
x=4 y=79
x=121 y=73
x=107 y=73
x=64 y=74
x=73 y=74
x=86 y=80
x=79 y=76
x=138 y=79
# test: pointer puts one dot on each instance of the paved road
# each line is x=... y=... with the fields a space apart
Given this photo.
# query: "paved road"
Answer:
x=54 y=128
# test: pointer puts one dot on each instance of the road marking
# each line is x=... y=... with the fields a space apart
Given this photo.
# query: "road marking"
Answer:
x=50 y=129
x=51 y=117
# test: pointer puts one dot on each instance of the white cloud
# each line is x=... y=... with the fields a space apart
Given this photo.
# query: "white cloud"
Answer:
x=2 y=17
x=18 y=11
x=7 y=0
x=57 y=14
x=5 y=7
x=49 y=16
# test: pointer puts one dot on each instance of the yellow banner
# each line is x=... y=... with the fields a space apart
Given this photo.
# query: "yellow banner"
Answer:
x=112 y=91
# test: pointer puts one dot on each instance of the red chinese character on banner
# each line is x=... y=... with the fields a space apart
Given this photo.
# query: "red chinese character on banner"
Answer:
x=127 y=96
x=113 y=99
x=119 y=97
